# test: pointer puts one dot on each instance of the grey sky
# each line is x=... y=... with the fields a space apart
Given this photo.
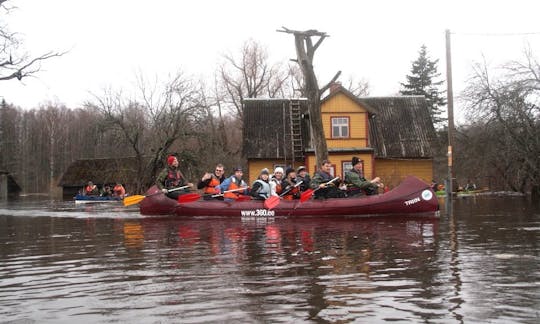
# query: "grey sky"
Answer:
x=111 y=41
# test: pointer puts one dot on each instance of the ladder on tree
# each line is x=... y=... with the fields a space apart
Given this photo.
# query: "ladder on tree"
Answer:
x=296 y=130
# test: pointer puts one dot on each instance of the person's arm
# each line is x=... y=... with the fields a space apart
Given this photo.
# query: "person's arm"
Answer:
x=203 y=183
x=225 y=185
x=316 y=181
x=255 y=188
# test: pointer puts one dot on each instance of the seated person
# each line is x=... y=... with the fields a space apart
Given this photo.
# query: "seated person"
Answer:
x=357 y=184
x=320 y=183
x=210 y=182
x=260 y=189
x=119 y=190
x=303 y=175
x=91 y=189
x=171 y=178
x=235 y=186
x=290 y=189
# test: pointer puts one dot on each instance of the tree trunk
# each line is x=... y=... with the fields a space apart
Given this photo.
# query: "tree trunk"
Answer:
x=305 y=51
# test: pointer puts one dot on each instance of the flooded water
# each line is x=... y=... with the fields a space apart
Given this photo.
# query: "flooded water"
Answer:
x=61 y=263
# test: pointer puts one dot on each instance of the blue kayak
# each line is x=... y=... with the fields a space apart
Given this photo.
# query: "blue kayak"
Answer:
x=82 y=199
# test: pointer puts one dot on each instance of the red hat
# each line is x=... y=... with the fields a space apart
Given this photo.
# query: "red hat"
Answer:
x=170 y=159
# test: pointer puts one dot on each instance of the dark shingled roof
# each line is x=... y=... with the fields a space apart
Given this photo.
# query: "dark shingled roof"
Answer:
x=267 y=128
x=100 y=171
x=401 y=127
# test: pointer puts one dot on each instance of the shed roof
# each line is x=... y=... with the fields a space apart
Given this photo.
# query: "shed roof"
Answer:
x=100 y=171
x=267 y=128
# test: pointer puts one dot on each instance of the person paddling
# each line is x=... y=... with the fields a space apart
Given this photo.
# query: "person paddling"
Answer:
x=170 y=178
x=234 y=182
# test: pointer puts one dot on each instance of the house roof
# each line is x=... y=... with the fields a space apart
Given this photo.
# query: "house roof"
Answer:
x=267 y=128
x=401 y=127
x=100 y=171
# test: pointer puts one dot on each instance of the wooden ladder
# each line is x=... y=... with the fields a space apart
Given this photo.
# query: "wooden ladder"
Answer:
x=296 y=131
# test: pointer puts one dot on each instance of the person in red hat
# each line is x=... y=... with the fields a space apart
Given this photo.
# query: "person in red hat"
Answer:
x=171 y=178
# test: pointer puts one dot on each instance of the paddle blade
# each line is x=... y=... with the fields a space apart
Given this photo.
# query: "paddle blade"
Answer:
x=306 y=195
x=271 y=202
x=132 y=200
x=187 y=198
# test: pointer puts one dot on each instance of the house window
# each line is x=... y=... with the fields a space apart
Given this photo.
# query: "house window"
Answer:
x=345 y=166
x=340 y=127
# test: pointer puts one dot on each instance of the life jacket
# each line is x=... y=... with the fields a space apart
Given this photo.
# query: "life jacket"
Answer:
x=119 y=190
x=211 y=187
x=264 y=192
x=235 y=184
x=292 y=193
x=90 y=190
x=174 y=179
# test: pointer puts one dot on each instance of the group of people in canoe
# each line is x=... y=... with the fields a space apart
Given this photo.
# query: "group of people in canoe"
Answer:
x=288 y=184
x=108 y=190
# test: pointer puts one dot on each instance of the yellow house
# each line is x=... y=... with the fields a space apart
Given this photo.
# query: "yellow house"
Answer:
x=392 y=135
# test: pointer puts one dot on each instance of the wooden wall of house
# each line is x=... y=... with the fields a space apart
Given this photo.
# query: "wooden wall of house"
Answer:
x=392 y=172
x=343 y=106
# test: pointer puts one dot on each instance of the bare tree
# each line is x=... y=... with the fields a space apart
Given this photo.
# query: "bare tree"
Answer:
x=15 y=65
x=250 y=76
x=510 y=104
x=305 y=52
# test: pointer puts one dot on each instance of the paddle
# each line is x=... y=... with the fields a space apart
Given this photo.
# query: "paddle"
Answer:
x=191 y=197
x=135 y=199
x=273 y=201
x=308 y=193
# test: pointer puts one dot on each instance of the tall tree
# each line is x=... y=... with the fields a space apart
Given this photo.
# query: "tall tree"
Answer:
x=423 y=81
x=305 y=52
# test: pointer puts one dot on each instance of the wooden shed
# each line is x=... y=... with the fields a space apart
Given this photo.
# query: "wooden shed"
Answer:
x=100 y=172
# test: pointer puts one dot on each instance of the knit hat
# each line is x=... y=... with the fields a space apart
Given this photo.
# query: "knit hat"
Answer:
x=356 y=160
x=265 y=171
x=278 y=169
x=170 y=159
x=289 y=170
x=238 y=168
x=300 y=168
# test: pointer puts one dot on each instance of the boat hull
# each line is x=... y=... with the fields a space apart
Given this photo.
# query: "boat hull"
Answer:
x=412 y=196
x=80 y=199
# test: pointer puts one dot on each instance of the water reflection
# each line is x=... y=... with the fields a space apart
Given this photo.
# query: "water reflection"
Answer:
x=98 y=264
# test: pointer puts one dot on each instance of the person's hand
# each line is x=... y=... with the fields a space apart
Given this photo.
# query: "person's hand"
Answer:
x=190 y=185
x=217 y=190
x=206 y=176
x=165 y=191
x=322 y=185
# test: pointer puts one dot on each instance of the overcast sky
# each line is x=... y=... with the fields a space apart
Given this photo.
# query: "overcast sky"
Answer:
x=110 y=41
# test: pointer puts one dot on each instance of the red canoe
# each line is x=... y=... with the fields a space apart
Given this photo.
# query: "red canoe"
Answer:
x=412 y=196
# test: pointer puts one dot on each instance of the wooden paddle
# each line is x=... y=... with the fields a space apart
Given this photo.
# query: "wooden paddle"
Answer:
x=308 y=193
x=191 y=197
x=273 y=201
x=135 y=199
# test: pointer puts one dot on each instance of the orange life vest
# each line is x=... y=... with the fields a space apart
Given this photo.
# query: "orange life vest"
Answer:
x=292 y=193
x=90 y=189
x=119 y=190
x=234 y=185
x=211 y=187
